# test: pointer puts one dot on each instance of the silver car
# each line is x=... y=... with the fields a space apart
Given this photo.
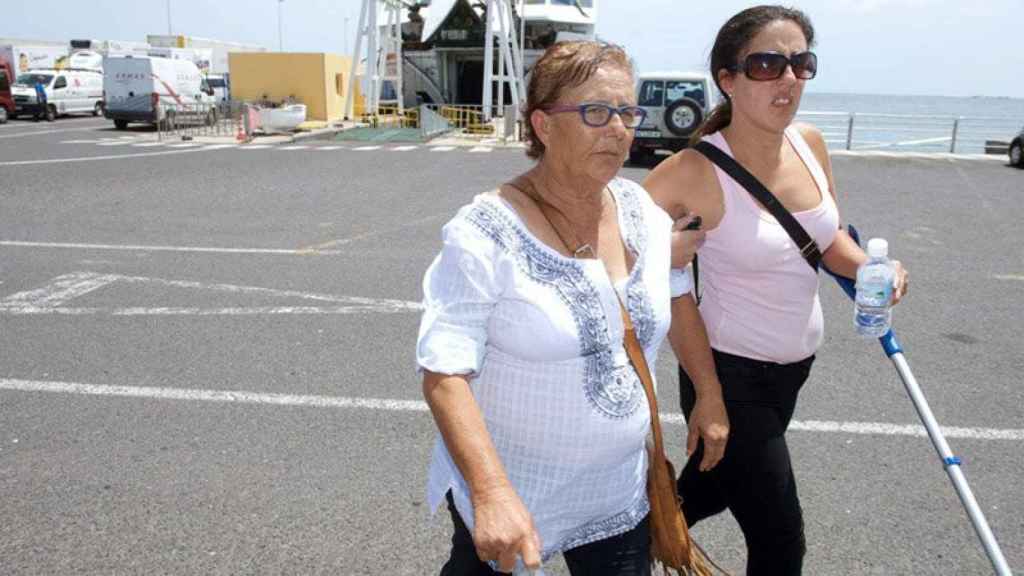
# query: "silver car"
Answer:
x=676 y=104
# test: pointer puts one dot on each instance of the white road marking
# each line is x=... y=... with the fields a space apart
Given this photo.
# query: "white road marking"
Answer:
x=255 y=147
x=366 y=148
x=60 y=290
x=40 y=132
x=296 y=147
x=384 y=404
x=403 y=148
x=47 y=300
x=80 y=141
x=147 y=144
x=330 y=147
x=1019 y=277
x=96 y=158
x=184 y=145
x=442 y=148
x=219 y=146
x=200 y=249
x=113 y=143
x=193 y=311
x=481 y=149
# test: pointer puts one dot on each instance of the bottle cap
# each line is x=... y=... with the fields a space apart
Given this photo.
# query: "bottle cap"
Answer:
x=878 y=248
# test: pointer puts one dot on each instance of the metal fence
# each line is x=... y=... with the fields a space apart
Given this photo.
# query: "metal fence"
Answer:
x=202 y=119
x=435 y=119
x=907 y=132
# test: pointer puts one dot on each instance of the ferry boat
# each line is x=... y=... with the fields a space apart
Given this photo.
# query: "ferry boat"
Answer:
x=443 y=43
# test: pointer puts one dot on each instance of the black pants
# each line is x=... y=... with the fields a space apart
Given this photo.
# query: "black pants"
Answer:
x=627 y=554
x=755 y=479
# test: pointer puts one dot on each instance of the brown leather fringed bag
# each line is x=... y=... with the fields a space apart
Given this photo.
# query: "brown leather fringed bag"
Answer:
x=671 y=545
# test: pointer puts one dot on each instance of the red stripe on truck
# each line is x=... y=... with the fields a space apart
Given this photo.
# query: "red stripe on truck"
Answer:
x=169 y=89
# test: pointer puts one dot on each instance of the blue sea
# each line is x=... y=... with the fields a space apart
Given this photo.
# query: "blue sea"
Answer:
x=913 y=123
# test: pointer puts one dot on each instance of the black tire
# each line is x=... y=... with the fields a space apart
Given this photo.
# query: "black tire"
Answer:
x=97 y=110
x=640 y=156
x=3 y=115
x=51 y=113
x=1017 y=153
x=683 y=116
x=121 y=124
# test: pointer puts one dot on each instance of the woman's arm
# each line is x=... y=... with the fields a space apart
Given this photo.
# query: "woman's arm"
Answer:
x=503 y=527
x=668 y=186
x=708 y=421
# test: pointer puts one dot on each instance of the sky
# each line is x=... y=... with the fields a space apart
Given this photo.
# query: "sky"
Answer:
x=920 y=47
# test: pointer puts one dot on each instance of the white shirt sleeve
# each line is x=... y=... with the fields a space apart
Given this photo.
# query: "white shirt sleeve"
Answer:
x=680 y=281
x=459 y=293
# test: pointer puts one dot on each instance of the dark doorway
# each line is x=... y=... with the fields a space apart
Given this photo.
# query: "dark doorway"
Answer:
x=471 y=84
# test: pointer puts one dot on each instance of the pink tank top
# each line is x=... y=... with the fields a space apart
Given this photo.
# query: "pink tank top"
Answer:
x=760 y=298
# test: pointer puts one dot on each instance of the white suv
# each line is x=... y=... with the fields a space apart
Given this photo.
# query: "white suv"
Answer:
x=676 y=104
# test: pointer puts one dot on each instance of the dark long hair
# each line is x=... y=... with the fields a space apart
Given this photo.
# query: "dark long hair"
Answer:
x=732 y=38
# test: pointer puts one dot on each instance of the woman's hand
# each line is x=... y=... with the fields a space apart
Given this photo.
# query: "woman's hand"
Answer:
x=503 y=529
x=685 y=242
x=900 y=283
x=709 y=422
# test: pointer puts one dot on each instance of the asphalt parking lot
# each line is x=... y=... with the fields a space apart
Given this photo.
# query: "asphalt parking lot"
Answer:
x=206 y=360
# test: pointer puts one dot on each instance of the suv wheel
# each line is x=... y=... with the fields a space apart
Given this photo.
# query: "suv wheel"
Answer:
x=97 y=110
x=683 y=116
x=1016 y=154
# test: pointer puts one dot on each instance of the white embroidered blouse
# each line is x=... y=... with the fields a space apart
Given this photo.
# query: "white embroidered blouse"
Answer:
x=540 y=336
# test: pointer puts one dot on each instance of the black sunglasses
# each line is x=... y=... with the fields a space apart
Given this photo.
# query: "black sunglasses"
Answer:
x=772 y=65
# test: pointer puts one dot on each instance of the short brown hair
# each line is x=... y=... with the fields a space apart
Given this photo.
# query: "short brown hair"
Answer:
x=565 y=65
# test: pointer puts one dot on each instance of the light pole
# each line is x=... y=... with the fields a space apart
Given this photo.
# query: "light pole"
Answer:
x=344 y=36
x=280 y=37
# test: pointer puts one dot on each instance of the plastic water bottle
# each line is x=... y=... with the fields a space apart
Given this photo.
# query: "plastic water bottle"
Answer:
x=872 y=307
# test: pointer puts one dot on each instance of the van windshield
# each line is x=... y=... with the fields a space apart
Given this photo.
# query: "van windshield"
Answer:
x=215 y=82
x=4 y=86
x=31 y=79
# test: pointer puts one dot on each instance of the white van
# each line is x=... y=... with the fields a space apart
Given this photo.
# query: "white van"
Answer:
x=151 y=89
x=68 y=91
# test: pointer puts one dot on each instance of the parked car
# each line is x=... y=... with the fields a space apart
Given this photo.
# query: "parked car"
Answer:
x=676 y=104
x=68 y=91
x=1016 y=150
x=6 y=98
x=151 y=89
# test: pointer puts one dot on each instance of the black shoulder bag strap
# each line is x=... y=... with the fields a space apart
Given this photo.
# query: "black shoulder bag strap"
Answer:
x=807 y=246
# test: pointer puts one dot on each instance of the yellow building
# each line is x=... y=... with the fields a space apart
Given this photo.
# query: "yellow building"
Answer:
x=318 y=80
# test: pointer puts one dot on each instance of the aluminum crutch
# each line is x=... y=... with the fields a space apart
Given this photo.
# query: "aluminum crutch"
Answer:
x=951 y=462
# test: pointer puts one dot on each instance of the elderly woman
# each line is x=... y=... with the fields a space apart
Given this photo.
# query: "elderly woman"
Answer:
x=542 y=417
